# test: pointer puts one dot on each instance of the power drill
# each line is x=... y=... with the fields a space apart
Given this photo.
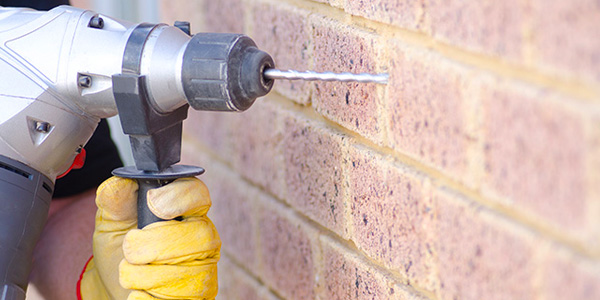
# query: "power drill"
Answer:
x=65 y=69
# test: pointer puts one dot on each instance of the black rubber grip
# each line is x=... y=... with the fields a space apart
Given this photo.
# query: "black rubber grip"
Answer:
x=145 y=215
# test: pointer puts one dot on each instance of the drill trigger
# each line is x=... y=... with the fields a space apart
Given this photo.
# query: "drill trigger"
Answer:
x=78 y=163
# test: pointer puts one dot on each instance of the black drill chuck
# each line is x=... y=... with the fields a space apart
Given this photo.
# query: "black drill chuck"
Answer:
x=224 y=72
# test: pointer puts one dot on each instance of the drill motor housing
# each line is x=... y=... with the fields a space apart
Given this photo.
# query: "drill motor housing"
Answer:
x=65 y=69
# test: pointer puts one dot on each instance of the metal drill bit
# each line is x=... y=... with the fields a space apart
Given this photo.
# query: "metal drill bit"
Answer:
x=325 y=76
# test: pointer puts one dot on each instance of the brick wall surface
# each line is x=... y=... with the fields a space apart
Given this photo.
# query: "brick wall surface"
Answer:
x=475 y=174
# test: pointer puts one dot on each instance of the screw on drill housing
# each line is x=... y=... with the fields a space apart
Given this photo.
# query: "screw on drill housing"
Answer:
x=96 y=22
x=326 y=76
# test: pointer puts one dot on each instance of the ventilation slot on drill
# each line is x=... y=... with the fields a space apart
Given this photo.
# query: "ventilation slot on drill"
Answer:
x=47 y=187
x=16 y=171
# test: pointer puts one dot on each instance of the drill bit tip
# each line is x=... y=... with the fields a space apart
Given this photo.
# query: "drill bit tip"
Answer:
x=326 y=76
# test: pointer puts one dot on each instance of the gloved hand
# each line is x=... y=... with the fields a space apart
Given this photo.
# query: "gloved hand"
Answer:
x=164 y=260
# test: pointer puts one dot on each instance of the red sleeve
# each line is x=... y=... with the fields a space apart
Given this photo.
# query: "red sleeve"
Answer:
x=81 y=277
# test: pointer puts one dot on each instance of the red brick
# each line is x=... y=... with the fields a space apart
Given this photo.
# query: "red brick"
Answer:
x=565 y=36
x=180 y=10
x=212 y=130
x=390 y=210
x=491 y=27
x=286 y=253
x=478 y=257
x=313 y=172
x=224 y=16
x=256 y=137
x=341 y=48
x=593 y=182
x=282 y=31
x=570 y=279
x=346 y=276
x=428 y=110
x=535 y=154
x=233 y=213
x=407 y=13
x=235 y=284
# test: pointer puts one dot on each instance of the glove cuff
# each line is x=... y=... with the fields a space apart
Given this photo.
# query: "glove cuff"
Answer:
x=81 y=277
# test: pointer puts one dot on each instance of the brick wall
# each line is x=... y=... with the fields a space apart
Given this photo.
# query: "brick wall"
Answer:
x=475 y=174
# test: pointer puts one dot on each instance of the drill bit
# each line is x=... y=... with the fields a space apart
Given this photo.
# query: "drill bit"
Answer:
x=326 y=76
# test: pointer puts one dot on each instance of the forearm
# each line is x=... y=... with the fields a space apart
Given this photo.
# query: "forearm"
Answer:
x=65 y=246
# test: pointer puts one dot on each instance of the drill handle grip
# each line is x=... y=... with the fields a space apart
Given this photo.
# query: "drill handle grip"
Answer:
x=148 y=180
x=145 y=215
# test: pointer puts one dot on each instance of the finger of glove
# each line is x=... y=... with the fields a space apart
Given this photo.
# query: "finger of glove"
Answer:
x=116 y=199
x=172 y=242
x=139 y=295
x=183 y=197
x=196 y=280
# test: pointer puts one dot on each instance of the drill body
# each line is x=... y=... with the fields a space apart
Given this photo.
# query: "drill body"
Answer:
x=65 y=69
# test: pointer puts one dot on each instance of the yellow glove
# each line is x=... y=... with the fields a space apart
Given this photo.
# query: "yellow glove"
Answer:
x=164 y=260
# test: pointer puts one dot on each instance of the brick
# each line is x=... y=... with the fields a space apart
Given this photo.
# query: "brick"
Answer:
x=490 y=27
x=191 y=154
x=346 y=276
x=286 y=252
x=391 y=209
x=569 y=278
x=219 y=20
x=407 y=14
x=313 y=172
x=535 y=154
x=256 y=139
x=342 y=48
x=226 y=283
x=233 y=205
x=250 y=141
x=212 y=130
x=478 y=256
x=593 y=182
x=428 y=107
x=235 y=284
x=565 y=36
x=334 y=3
x=233 y=213
x=180 y=10
x=282 y=31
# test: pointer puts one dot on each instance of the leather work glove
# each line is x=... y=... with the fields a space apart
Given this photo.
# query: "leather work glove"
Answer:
x=164 y=260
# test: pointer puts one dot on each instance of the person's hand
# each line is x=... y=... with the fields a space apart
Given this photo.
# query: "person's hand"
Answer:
x=164 y=260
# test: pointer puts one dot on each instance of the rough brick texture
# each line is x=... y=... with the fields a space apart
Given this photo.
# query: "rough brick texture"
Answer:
x=565 y=278
x=390 y=209
x=491 y=27
x=256 y=141
x=534 y=154
x=474 y=174
x=563 y=33
x=428 y=110
x=341 y=48
x=347 y=276
x=314 y=178
x=406 y=14
x=288 y=264
x=236 y=284
x=231 y=22
x=478 y=258
x=283 y=32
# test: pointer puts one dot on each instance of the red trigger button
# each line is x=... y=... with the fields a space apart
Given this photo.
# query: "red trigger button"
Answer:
x=77 y=163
